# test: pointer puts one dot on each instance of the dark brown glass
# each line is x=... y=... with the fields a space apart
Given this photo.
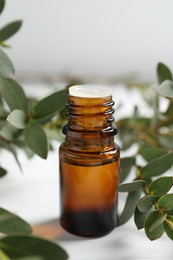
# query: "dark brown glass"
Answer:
x=89 y=168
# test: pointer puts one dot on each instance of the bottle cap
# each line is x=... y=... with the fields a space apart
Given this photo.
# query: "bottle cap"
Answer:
x=90 y=91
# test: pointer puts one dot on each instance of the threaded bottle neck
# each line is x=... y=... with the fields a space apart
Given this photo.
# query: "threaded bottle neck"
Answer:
x=90 y=123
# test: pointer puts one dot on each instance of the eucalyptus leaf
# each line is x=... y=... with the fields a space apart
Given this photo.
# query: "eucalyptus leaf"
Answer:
x=2 y=5
x=50 y=104
x=126 y=165
x=36 y=139
x=9 y=30
x=158 y=222
x=168 y=229
x=25 y=246
x=129 y=208
x=166 y=202
x=8 y=132
x=3 y=172
x=131 y=186
x=150 y=153
x=166 y=89
x=146 y=203
x=17 y=118
x=139 y=218
x=169 y=222
x=6 y=66
x=163 y=73
x=150 y=220
x=158 y=166
x=161 y=186
x=11 y=224
x=3 y=256
x=13 y=94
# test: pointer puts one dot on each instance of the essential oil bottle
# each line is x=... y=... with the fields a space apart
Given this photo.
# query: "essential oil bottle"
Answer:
x=89 y=163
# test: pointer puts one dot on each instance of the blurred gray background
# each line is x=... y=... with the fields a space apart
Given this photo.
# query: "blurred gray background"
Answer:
x=106 y=38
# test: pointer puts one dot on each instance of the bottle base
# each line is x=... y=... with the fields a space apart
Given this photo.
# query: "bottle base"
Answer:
x=89 y=224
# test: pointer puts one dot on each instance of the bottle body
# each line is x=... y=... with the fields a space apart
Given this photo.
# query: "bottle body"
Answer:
x=89 y=169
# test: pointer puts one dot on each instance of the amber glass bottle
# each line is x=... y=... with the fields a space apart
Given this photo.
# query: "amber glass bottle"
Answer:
x=89 y=163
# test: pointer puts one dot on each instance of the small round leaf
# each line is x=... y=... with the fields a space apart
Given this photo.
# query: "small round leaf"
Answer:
x=161 y=186
x=166 y=202
x=158 y=231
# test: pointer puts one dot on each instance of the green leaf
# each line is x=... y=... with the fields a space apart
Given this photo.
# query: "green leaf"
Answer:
x=126 y=165
x=131 y=186
x=11 y=224
x=9 y=30
x=150 y=220
x=3 y=172
x=146 y=203
x=166 y=89
x=158 y=166
x=158 y=222
x=36 y=139
x=168 y=226
x=8 y=132
x=3 y=256
x=2 y=5
x=129 y=208
x=163 y=73
x=32 y=257
x=166 y=202
x=161 y=186
x=17 y=118
x=50 y=104
x=13 y=94
x=25 y=246
x=150 y=153
x=6 y=66
x=139 y=218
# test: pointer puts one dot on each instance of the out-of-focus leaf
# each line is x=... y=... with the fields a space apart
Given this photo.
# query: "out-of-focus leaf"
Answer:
x=25 y=246
x=158 y=222
x=17 y=118
x=2 y=5
x=161 y=186
x=9 y=30
x=50 y=104
x=163 y=73
x=13 y=94
x=3 y=256
x=166 y=89
x=168 y=226
x=11 y=224
x=32 y=257
x=158 y=166
x=12 y=149
x=166 y=141
x=3 y=172
x=131 y=186
x=8 y=132
x=36 y=139
x=150 y=220
x=166 y=202
x=6 y=66
x=129 y=208
x=150 y=153
x=54 y=134
x=126 y=165
x=145 y=203
x=139 y=218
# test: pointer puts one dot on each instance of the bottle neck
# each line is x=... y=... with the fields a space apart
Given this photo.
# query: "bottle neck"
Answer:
x=90 y=123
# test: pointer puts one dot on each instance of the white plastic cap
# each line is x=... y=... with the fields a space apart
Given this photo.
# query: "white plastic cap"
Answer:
x=90 y=91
